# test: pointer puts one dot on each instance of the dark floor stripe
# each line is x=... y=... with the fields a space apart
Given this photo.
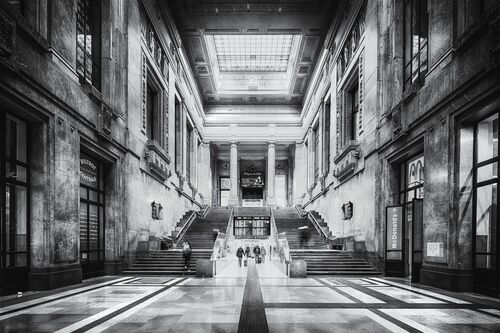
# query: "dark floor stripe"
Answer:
x=354 y=299
x=253 y=315
x=126 y=308
x=395 y=321
x=58 y=298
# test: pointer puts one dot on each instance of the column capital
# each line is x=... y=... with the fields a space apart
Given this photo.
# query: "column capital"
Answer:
x=271 y=143
x=233 y=143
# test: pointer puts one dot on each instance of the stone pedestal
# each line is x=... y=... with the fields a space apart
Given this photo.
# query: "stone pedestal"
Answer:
x=298 y=269
x=204 y=268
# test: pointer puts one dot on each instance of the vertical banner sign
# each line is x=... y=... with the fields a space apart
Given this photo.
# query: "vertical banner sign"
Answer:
x=394 y=232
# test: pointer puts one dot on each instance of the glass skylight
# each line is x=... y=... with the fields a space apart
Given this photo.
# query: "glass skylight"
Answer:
x=253 y=53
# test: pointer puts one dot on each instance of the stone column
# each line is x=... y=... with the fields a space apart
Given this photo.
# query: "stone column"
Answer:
x=206 y=176
x=299 y=167
x=271 y=156
x=233 y=175
x=310 y=158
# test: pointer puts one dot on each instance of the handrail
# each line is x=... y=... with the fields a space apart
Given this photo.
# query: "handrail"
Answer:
x=283 y=245
x=218 y=245
x=318 y=226
x=184 y=228
x=230 y=222
x=204 y=211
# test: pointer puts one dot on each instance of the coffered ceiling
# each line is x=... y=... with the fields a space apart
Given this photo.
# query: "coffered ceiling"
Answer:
x=258 y=52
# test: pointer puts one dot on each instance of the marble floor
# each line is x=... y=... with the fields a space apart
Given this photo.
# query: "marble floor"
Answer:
x=258 y=298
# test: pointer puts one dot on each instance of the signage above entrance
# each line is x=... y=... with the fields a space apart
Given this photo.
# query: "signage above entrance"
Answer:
x=88 y=171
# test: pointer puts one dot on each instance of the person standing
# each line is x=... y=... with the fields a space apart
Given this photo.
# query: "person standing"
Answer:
x=239 y=254
x=186 y=253
x=256 y=252
x=263 y=253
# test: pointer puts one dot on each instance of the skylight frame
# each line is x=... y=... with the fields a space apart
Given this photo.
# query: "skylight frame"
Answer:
x=253 y=53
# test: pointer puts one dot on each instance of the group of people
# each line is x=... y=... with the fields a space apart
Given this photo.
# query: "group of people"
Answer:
x=258 y=250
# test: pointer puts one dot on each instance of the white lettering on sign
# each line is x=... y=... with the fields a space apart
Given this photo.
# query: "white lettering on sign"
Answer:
x=85 y=161
x=394 y=228
x=394 y=216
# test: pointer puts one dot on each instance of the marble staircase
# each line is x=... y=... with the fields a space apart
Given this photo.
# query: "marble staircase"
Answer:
x=167 y=262
x=201 y=234
x=332 y=262
x=288 y=220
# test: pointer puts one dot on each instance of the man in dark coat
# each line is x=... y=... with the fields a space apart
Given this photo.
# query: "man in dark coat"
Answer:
x=256 y=252
x=239 y=254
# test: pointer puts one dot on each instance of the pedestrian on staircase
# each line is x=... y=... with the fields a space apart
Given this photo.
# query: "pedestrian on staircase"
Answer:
x=239 y=254
x=304 y=236
x=186 y=253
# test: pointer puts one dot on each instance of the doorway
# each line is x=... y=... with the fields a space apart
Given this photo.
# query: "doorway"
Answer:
x=92 y=219
x=485 y=184
x=14 y=204
x=224 y=190
x=411 y=197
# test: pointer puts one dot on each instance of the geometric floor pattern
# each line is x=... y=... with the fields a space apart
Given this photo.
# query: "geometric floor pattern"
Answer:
x=170 y=304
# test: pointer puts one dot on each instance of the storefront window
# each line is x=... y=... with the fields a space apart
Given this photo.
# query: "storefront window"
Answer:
x=91 y=214
x=14 y=240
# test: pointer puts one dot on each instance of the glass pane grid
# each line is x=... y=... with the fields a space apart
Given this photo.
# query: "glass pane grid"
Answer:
x=253 y=53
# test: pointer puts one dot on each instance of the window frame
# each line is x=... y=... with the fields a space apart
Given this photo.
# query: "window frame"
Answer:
x=89 y=23
x=415 y=75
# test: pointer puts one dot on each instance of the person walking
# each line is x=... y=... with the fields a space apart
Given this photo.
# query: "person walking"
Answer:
x=256 y=252
x=186 y=253
x=239 y=254
x=247 y=251
x=304 y=236
x=263 y=253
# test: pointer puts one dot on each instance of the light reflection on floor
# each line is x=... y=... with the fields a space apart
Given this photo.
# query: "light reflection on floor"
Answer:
x=173 y=304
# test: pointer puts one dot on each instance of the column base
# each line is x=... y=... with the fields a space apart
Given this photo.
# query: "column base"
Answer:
x=271 y=201
x=55 y=277
x=233 y=201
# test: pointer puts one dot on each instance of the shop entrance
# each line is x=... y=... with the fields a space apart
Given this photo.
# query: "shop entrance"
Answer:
x=91 y=216
x=14 y=208
x=481 y=139
x=404 y=223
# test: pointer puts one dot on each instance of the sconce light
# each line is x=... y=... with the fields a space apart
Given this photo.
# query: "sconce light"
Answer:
x=156 y=211
x=347 y=209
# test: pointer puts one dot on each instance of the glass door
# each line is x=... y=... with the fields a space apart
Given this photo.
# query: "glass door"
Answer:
x=485 y=206
x=411 y=196
x=14 y=207
x=91 y=216
x=224 y=190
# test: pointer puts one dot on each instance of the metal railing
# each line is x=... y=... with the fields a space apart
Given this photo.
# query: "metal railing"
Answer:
x=283 y=250
x=185 y=227
x=218 y=250
x=204 y=211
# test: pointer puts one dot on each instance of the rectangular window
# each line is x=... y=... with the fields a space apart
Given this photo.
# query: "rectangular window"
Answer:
x=178 y=136
x=415 y=30
x=151 y=111
x=189 y=149
x=354 y=96
x=316 y=153
x=88 y=42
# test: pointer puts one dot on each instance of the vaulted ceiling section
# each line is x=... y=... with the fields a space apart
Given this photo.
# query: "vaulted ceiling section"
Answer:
x=259 y=52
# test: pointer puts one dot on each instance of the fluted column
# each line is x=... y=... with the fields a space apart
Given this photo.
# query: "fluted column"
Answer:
x=271 y=156
x=233 y=175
